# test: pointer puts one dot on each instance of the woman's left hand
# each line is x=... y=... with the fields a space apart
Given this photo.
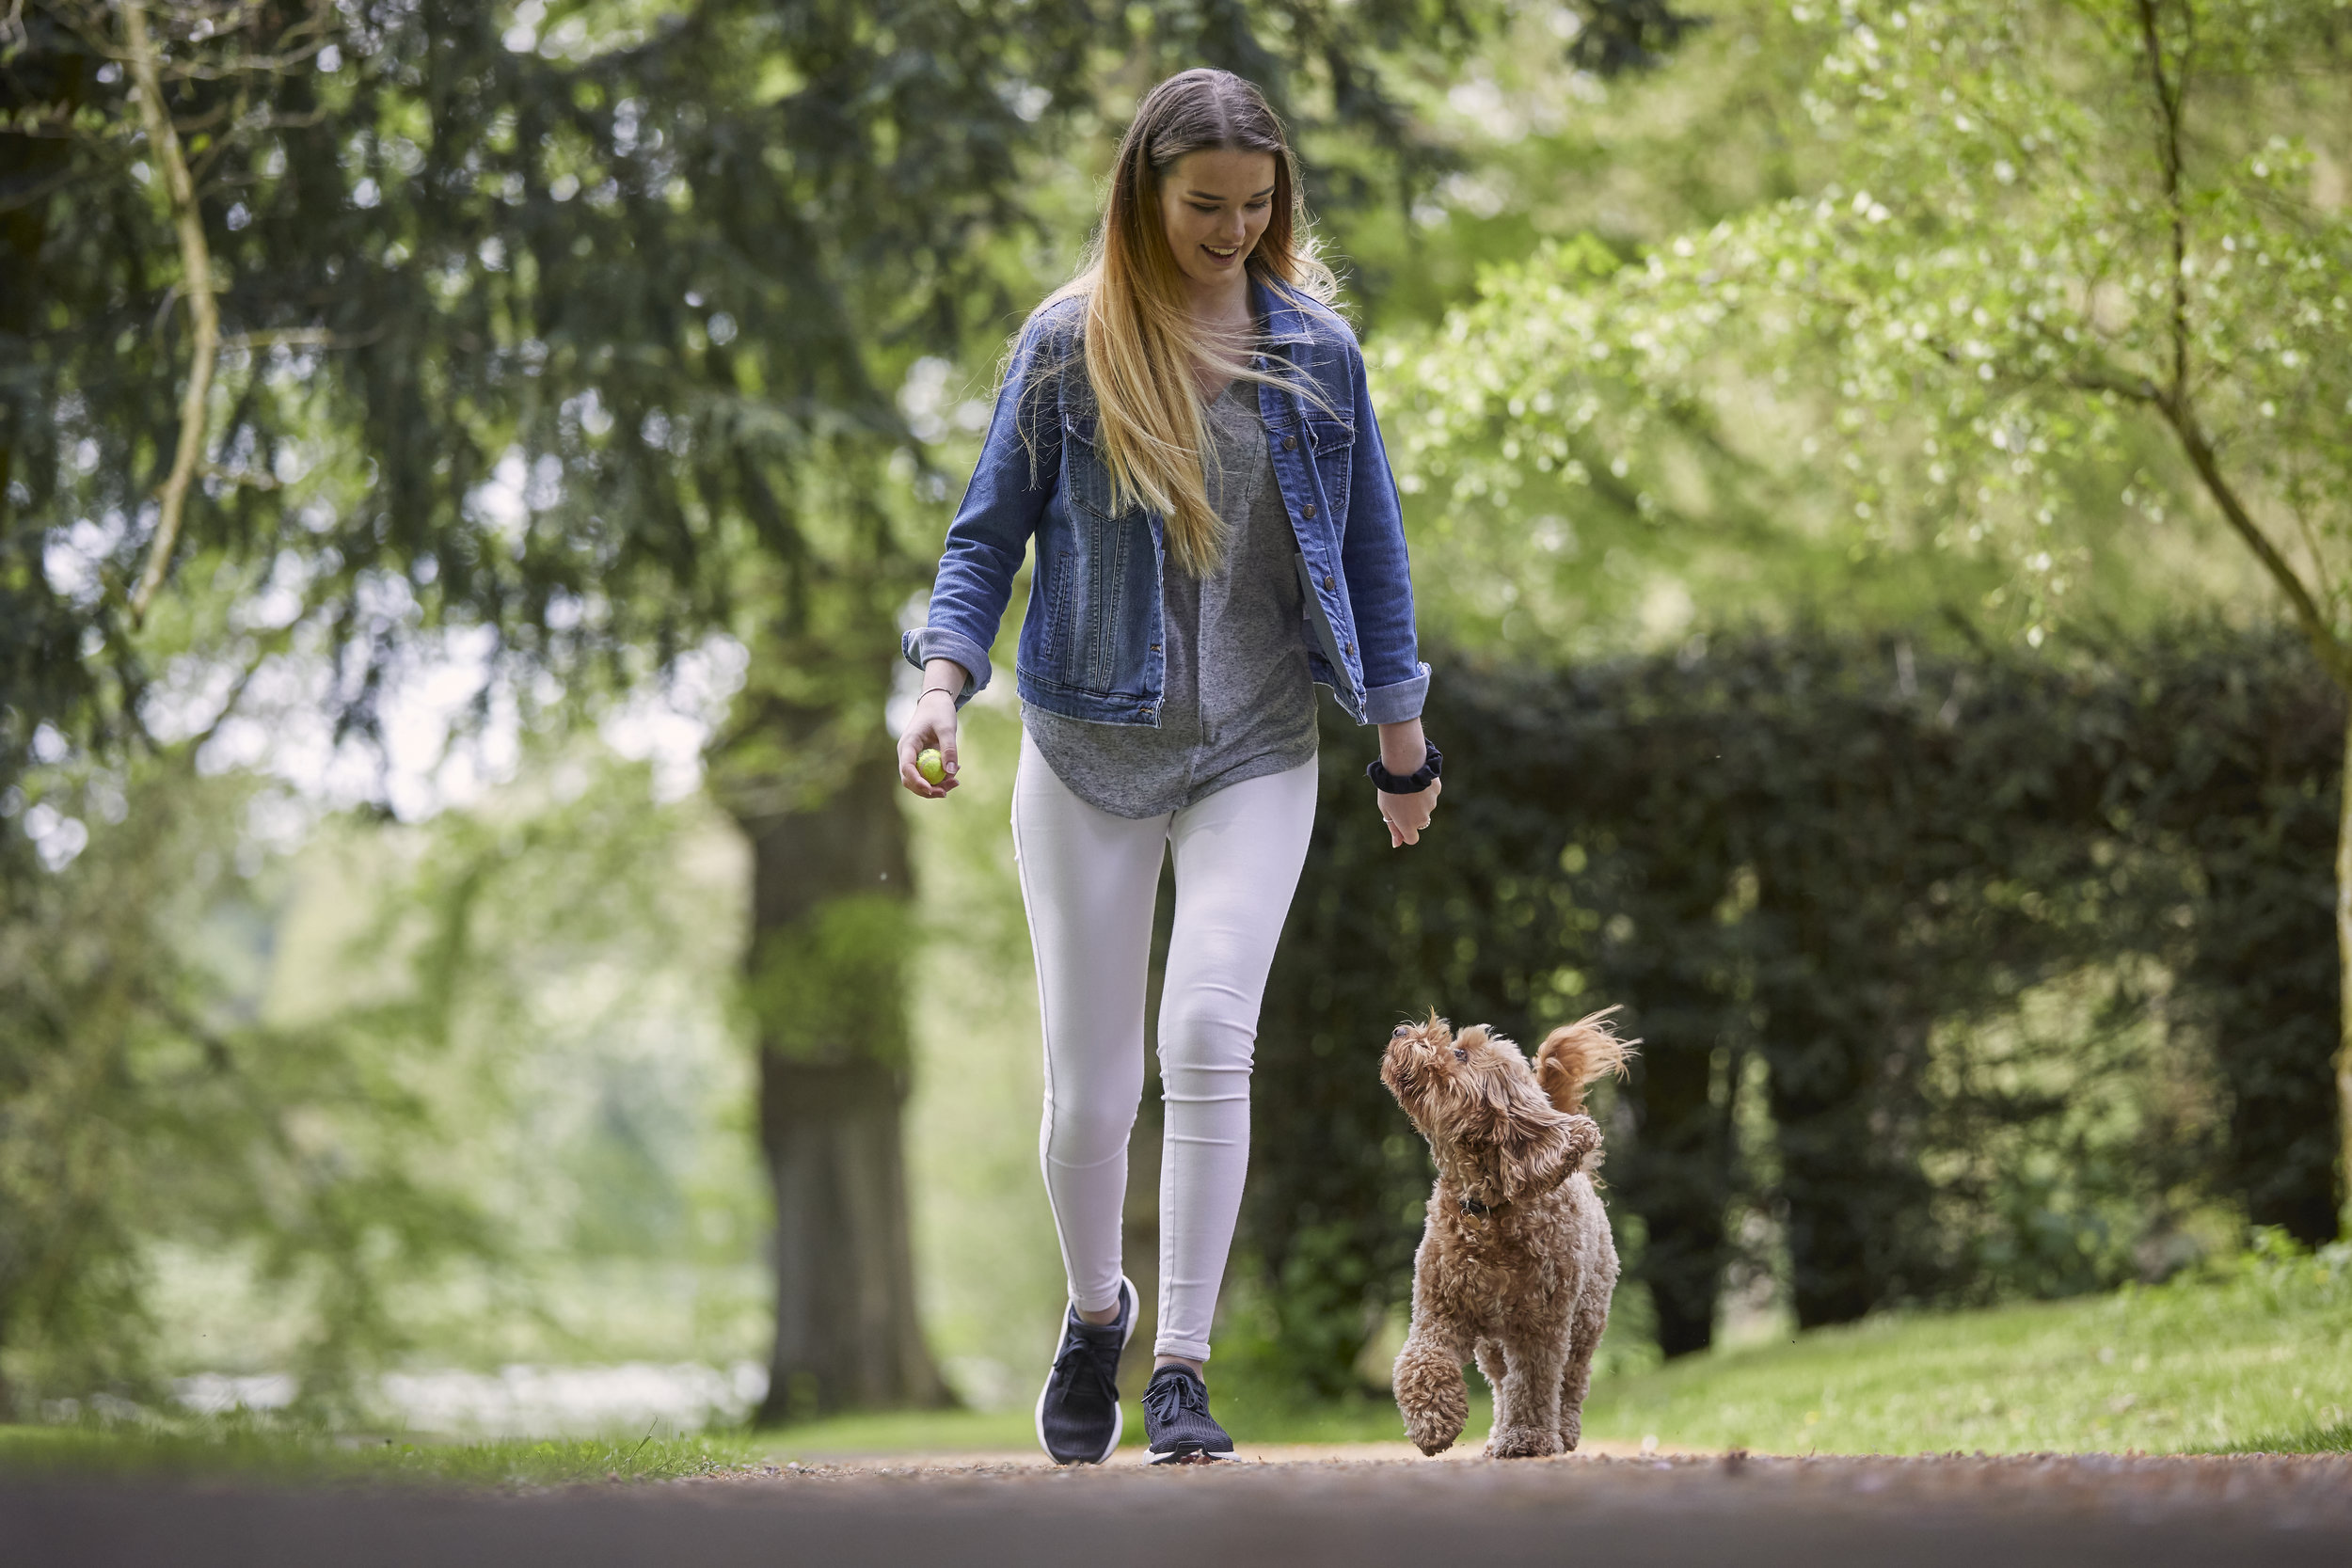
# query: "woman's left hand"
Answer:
x=1403 y=748
x=1407 y=815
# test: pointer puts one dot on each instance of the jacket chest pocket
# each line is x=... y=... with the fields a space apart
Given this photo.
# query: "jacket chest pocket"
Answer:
x=1085 y=481
x=1333 y=443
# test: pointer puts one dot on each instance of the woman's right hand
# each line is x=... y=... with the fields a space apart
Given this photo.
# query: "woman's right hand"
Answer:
x=934 y=724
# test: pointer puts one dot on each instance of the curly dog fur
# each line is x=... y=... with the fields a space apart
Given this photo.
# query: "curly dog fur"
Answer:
x=1515 y=1263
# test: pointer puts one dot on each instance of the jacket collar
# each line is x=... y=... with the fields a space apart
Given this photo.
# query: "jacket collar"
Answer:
x=1288 y=325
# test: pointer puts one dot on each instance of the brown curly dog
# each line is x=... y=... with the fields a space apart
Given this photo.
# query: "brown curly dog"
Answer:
x=1515 y=1263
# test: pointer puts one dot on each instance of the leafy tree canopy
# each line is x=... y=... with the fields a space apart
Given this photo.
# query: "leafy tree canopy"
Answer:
x=2059 y=274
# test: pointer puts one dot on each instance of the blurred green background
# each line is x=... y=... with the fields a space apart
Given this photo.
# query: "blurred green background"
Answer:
x=1876 y=476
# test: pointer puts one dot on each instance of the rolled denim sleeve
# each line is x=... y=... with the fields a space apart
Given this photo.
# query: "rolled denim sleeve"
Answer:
x=1379 y=575
x=1019 y=463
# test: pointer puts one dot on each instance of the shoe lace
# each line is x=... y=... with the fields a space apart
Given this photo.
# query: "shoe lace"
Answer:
x=1167 y=1395
x=1078 y=1366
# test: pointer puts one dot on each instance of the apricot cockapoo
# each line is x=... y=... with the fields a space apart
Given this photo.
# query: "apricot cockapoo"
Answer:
x=1516 y=1264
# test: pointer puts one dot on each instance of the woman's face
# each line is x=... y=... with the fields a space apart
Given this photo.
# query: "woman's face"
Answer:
x=1216 y=204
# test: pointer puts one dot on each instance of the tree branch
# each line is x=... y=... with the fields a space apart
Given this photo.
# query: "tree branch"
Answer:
x=2136 y=388
x=2334 y=656
x=2169 y=94
x=2170 y=88
x=301 y=337
x=196 y=262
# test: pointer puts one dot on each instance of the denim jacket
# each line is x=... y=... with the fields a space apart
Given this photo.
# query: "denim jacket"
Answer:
x=1090 y=641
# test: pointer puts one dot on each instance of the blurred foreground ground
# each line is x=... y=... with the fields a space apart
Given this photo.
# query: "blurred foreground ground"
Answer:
x=1296 y=1508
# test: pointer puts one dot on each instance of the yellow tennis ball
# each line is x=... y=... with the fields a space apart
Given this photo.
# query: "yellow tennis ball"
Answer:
x=932 y=765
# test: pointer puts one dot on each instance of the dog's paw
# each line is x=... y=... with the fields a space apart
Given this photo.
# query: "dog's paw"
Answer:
x=1430 y=1440
x=1521 y=1443
x=1571 y=1430
x=1431 y=1396
x=1434 y=1427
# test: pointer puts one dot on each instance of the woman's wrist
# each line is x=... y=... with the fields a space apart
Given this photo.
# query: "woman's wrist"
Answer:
x=944 y=674
x=1402 y=745
x=1390 y=781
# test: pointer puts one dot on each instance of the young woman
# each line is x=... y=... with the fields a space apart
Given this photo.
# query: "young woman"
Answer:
x=1184 y=435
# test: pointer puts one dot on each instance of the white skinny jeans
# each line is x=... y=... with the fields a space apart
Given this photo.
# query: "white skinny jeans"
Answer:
x=1090 y=880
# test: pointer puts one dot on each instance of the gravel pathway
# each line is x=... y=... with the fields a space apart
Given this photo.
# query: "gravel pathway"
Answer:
x=1292 y=1509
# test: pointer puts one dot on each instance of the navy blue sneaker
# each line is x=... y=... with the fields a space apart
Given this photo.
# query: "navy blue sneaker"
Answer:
x=1078 y=1420
x=1176 y=1419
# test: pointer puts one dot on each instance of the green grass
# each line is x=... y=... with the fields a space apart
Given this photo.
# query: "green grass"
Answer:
x=2252 y=1355
x=2255 y=1353
x=282 y=1453
x=2330 y=1439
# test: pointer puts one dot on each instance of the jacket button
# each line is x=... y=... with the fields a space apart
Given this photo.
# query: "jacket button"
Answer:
x=1351 y=647
x=1290 y=443
x=1155 y=647
x=1310 y=513
x=1329 y=583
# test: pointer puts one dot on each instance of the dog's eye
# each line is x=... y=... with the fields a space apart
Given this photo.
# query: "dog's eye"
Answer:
x=1400 y=1031
x=1460 y=1055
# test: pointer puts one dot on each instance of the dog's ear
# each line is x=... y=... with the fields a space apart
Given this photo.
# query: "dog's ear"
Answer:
x=1540 y=1148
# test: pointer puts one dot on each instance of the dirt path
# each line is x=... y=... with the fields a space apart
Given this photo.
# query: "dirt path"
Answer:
x=1293 y=1509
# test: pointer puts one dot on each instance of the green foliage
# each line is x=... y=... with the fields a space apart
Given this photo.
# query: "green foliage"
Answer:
x=139 y=1100
x=580 y=324
x=1617 y=36
x=1911 y=911
x=2056 y=266
x=449 y=1089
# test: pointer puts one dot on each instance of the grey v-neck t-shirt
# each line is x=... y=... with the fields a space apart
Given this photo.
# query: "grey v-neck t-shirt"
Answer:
x=1239 y=703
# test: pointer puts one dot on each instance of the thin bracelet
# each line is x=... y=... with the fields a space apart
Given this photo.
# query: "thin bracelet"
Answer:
x=928 y=689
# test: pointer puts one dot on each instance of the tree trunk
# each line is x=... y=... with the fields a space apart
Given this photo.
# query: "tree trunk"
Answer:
x=1820 y=1100
x=847 y=1337
x=1678 y=1174
x=37 y=77
x=1840 y=1052
x=826 y=978
x=2344 y=956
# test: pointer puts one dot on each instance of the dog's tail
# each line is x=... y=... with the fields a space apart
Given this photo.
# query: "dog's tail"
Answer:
x=1575 y=1053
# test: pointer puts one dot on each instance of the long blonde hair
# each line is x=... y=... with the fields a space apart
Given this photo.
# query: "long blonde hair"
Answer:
x=1140 y=342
